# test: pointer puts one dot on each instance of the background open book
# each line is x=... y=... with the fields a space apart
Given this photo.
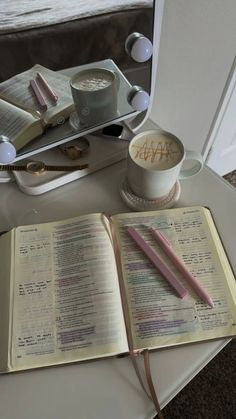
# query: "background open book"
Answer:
x=22 y=118
x=81 y=289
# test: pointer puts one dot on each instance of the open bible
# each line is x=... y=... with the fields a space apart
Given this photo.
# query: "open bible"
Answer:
x=81 y=289
x=22 y=117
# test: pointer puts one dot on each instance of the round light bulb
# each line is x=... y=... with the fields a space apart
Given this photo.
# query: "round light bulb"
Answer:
x=141 y=50
x=138 y=98
x=139 y=47
x=7 y=150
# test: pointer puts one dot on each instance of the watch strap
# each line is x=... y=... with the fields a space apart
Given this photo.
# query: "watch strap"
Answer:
x=45 y=167
x=65 y=168
x=12 y=167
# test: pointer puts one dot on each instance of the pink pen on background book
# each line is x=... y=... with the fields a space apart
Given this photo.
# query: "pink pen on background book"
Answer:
x=157 y=262
x=166 y=246
x=38 y=95
x=47 y=88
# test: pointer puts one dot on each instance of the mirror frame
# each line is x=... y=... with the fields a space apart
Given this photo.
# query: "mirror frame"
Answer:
x=136 y=123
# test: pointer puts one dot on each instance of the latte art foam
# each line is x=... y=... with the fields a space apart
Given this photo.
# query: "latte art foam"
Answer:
x=93 y=81
x=156 y=152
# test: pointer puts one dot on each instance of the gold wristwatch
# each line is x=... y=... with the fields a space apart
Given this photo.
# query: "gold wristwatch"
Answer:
x=38 y=167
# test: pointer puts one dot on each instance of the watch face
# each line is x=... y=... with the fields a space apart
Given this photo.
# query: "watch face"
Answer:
x=35 y=167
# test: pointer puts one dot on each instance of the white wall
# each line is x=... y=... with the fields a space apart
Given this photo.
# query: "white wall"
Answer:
x=198 y=45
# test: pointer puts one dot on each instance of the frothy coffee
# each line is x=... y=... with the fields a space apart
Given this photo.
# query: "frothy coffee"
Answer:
x=157 y=152
x=92 y=81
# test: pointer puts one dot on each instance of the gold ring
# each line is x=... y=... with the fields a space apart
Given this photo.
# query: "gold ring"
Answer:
x=75 y=149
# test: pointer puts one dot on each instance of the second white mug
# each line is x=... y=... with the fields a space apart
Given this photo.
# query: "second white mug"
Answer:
x=95 y=95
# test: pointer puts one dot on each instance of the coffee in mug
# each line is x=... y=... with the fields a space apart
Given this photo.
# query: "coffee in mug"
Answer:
x=95 y=94
x=154 y=163
x=93 y=80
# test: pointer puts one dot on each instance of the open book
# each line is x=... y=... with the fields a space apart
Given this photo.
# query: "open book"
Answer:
x=81 y=289
x=22 y=118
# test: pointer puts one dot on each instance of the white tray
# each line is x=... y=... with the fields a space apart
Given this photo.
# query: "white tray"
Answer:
x=102 y=153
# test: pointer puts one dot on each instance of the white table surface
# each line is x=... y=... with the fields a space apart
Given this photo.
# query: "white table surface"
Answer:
x=108 y=388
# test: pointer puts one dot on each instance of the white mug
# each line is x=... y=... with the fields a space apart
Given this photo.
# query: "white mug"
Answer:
x=95 y=92
x=154 y=163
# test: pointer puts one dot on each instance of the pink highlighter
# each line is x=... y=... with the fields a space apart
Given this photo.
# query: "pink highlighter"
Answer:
x=166 y=246
x=158 y=262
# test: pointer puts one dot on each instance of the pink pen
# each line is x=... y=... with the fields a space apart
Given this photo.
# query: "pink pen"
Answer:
x=157 y=262
x=166 y=246
x=47 y=88
x=38 y=95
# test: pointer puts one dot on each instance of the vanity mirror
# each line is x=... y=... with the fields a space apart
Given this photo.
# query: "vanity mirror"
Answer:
x=116 y=36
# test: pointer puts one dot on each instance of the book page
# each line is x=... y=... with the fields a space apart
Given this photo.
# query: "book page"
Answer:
x=19 y=126
x=158 y=316
x=18 y=91
x=5 y=297
x=66 y=299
